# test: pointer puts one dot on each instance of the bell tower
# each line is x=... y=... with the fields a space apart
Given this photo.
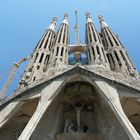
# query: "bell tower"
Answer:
x=39 y=60
x=96 y=51
x=116 y=53
x=59 y=52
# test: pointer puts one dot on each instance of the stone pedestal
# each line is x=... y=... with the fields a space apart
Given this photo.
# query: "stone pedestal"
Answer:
x=79 y=136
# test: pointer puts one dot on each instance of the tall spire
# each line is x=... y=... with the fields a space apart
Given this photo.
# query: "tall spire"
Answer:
x=97 y=54
x=60 y=48
x=116 y=53
x=103 y=24
x=37 y=65
x=53 y=24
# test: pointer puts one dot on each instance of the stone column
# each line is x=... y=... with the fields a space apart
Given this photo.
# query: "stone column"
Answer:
x=47 y=96
x=110 y=94
x=9 y=111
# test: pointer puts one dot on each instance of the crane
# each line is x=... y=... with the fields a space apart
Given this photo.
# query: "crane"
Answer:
x=11 y=76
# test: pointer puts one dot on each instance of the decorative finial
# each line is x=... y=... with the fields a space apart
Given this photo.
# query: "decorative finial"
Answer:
x=54 y=19
x=87 y=14
x=101 y=18
x=66 y=15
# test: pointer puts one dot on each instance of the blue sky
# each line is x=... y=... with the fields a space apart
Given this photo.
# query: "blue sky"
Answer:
x=22 y=23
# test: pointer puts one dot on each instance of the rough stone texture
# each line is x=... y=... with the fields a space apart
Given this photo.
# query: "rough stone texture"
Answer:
x=59 y=101
x=79 y=136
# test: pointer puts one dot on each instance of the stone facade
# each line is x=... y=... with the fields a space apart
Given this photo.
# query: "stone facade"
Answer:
x=60 y=100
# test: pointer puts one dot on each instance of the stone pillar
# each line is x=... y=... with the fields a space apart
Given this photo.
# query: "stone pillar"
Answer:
x=9 y=111
x=110 y=94
x=47 y=96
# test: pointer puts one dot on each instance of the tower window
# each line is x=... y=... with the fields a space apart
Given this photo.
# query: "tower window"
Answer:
x=111 y=61
x=38 y=67
x=89 y=54
x=62 y=51
x=46 y=59
x=34 y=78
x=60 y=34
x=114 y=38
x=98 y=37
x=104 y=36
x=98 y=51
x=112 y=58
x=41 y=57
x=64 y=35
x=93 y=51
x=109 y=38
x=117 y=58
x=36 y=57
x=108 y=58
x=57 y=51
x=90 y=38
x=42 y=41
x=86 y=39
x=93 y=32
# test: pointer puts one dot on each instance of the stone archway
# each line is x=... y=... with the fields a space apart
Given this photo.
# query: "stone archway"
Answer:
x=17 y=120
x=98 y=117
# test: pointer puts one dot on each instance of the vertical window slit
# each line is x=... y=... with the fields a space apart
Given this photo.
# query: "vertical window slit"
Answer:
x=62 y=51
x=109 y=38
x=104 y=36
x=112 y=58
x=93 y=51
x=117 y=57
x=41 y=57
x=89 y=54
x=46 y=43
x=93 y=32
x=60 y=34
x=114 y=38
x=108 y=58
x=64 y=34
x=57 y=51
x=34 y=78
x=98 y=51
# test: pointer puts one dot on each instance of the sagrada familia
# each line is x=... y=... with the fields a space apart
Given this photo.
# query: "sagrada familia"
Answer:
x=87 y=91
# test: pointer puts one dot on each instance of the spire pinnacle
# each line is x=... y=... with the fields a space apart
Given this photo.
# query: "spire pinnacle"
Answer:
x=87 y=14
x=65 y=20
x=66 y=15
x=88 y=19
x=54 y=19
x=101 y=19
x=53 y=24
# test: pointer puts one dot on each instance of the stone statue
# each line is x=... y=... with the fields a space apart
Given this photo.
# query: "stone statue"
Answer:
x=78 y=110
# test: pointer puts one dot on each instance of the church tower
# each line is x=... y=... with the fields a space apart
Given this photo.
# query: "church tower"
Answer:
x=94 y=95
x=59 y=52
x=96 y=51
x=116 y=53
x=39 y=60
